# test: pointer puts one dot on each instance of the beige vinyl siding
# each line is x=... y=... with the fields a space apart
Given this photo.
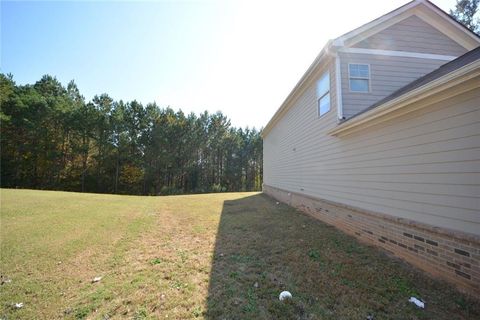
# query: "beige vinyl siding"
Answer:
x=423 y=166
x=291 y=143
x=413 y=35
x=387 y=74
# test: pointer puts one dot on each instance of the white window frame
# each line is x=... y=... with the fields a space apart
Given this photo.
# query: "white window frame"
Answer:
x=369 y=78
x=319 y=97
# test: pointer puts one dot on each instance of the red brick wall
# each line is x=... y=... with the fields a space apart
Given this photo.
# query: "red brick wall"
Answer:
x=450 y=255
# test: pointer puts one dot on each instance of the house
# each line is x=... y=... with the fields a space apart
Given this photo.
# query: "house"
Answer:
x=381 y=138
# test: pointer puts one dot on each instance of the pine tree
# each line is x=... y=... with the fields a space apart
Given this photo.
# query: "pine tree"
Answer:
x=465 y=13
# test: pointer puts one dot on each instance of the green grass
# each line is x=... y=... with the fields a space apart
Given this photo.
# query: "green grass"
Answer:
x=214 y=256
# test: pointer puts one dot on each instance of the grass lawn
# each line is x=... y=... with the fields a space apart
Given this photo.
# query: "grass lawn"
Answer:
x=214 y=256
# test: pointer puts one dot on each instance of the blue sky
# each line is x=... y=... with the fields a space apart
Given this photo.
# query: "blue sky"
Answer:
x=240 y=57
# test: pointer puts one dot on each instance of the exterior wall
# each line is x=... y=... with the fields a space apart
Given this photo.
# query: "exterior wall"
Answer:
x=295 y=134
x=414 y=35
x=410 y=185
x=423 y=166
x=449 y=256
x=387 y=75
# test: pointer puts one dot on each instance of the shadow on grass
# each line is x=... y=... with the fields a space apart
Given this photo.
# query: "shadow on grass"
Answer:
x=263 y=248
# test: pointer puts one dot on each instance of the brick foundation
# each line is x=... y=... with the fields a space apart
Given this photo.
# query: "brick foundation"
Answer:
x=450 y=255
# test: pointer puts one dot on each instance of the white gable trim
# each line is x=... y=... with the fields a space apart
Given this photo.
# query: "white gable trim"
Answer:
x=386 y=18
x=393 y=53
x=421 y=8
x=424 y=10
x=455 y=24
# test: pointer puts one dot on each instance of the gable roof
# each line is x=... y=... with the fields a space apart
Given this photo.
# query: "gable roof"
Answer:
x=329 y=50
x=398 y=11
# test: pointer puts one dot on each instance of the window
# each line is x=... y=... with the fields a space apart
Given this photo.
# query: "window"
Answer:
x=323 y=94
x=359 y=77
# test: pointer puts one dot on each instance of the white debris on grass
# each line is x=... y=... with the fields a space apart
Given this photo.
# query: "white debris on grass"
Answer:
x=96 y=279
x=4 y=280
x=285 y=295
x=278 y=202
x=18 y=305
x=255 y=284
x=419 y=303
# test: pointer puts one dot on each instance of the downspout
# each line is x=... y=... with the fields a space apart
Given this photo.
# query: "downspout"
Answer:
x=338 y=85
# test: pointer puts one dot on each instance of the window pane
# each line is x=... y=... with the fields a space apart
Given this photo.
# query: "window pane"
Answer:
x=324 y=104
x=363 y=70
x=323 y=85
x=359 y=70
x=359 y=85
x=353 y=70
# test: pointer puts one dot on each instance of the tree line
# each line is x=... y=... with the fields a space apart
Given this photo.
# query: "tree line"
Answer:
x=51 y=138
x=465 y=12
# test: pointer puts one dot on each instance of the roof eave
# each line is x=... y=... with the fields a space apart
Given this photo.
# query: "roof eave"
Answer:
x=285 y=106
x=355 y=32
x=347 y=38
